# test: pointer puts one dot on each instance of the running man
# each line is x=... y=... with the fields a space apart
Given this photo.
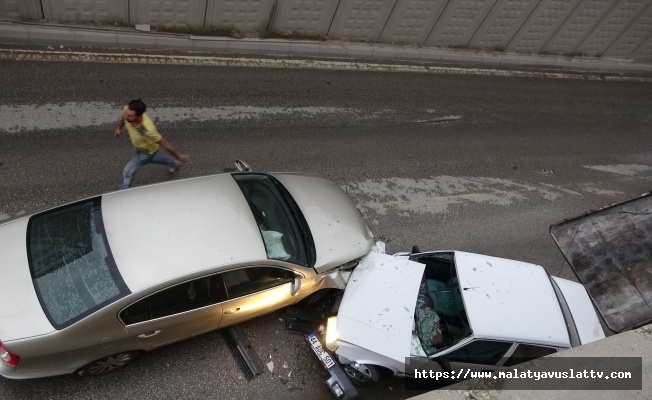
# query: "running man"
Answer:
x=146 y=140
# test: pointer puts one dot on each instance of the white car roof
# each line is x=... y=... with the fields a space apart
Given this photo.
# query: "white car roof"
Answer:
x=159 y=232
x=510 y=300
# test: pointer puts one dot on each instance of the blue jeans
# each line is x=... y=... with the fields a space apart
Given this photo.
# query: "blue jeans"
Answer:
x=138 y=160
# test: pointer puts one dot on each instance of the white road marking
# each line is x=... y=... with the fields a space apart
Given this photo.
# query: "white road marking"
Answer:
x=602 y=192
x=445 y=118
x=436 y=195
x=17 y=118
x=553 y=187
x=622 y=169
x=239 y=112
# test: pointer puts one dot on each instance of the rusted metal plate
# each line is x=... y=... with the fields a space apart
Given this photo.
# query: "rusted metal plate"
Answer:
x=610 y=251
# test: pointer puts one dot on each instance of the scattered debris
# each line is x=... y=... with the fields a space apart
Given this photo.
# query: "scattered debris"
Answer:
x=270 y=366
x=143 y=27
x=300 y=321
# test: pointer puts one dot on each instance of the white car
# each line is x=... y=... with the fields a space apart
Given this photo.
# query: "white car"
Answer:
x=467 y=310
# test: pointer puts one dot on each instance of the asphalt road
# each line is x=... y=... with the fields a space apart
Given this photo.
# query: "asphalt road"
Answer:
x=476 y=163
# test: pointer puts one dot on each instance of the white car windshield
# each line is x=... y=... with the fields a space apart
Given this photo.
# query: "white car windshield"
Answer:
x=440 y=317
x=70 y=262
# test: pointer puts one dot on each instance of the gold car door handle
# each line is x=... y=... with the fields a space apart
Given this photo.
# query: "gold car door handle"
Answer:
x=235 y=310
x=150 y=334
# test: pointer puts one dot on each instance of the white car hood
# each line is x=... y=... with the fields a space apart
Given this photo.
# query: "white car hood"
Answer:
x=377 y=310
x=21 y=314
x=586 y=320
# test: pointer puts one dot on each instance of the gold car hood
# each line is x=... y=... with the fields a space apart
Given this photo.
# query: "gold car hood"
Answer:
x=338 y=230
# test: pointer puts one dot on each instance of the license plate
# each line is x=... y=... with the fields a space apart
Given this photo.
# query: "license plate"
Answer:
x=323 y=355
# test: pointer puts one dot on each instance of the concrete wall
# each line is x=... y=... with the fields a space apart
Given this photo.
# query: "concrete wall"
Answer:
x=618 y=29
x=107 y=11
x=21 y=10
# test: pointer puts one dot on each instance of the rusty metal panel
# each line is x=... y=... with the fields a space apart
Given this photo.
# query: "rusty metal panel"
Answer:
x=459 y=22
x=610 y=251
x=243 y=15
x=502 y=23
x=20 y=10
x=544 y=21
x=631 y=43
x=361 y=19
x=578 y=26
x=310 y=17
x=107 y=11
x=612 y=26
x=411 y=21
x=172 y=13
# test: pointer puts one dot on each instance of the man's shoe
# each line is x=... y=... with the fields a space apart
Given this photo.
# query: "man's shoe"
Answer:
x=177 y=165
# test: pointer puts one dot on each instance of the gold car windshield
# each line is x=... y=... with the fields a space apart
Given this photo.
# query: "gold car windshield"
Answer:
x=70 y=262
x=282 y=227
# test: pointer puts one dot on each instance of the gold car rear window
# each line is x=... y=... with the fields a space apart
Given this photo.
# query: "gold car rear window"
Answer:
x=70 y=262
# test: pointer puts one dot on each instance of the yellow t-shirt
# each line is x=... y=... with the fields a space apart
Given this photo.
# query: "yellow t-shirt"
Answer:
x=145 y=136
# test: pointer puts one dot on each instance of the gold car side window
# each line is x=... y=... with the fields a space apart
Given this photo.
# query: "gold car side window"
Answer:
x=243 y=282
x=179 y=298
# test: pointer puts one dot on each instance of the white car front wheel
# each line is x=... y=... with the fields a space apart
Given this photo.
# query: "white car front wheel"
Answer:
x=362 y=374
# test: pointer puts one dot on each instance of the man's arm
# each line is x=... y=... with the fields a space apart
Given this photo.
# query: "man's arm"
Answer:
x=118 y=126
x=170 y=149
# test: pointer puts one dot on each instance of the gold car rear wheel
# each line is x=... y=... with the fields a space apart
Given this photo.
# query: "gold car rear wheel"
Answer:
x=108 y=364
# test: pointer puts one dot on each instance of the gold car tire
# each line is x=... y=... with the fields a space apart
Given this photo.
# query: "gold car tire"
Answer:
x=109 y=363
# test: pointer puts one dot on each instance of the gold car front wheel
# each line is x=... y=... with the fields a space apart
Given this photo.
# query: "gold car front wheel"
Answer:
x=108 y=364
